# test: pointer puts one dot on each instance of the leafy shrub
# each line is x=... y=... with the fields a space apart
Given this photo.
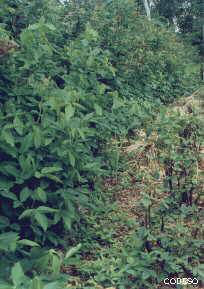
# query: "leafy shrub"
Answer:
x=150 y=61
x=66 y=89
x=47 y=133
x=168 y=241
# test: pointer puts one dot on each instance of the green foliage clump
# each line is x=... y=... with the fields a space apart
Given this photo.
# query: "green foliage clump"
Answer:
x=168 y=240
x=47 y=131
x=66 y=88
x=150 y=61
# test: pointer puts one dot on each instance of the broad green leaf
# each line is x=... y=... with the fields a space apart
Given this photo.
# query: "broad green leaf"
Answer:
x=47 y=141
x=17 y=204
x=35 y=26
x=56 y=264
x=25 y=194
x=73 y=251
x=8 y=137
x=27 y=165
x=12 y=151
x=45 y=209
x=28 y=243
x=49 y=176
x=67 y=221
x=37 y=136
x=8 y=195
x=18 y=125
x=8 y=241
x=17 y=274
x=42 y=220
x=25 y=214
x=41 y=195
x=71 y=159
x=54 y=178
x=26 y=143
x=5 y=184
x=50 y=26
x=10 y=170
x=117 y=103
x=98 y=109
x=49 y=170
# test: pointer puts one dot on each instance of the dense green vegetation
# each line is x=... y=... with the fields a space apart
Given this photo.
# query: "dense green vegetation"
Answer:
x=77 y=79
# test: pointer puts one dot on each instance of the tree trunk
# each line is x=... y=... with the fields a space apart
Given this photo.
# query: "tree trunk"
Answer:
x=147 y=9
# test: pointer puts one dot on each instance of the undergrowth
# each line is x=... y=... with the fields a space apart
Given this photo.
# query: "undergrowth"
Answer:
x=161 y=232
x=74 y=83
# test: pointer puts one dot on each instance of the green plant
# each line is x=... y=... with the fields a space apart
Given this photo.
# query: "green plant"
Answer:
x=68 y=95
x=150 y=61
